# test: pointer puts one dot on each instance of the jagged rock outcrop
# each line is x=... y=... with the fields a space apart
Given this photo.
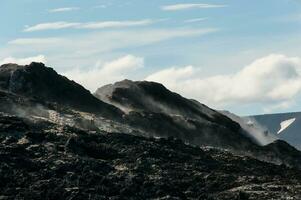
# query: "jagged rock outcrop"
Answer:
x=43 y=83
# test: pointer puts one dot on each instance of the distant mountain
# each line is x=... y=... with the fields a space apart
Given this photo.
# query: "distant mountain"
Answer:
x=286 y=126
x=43 y=83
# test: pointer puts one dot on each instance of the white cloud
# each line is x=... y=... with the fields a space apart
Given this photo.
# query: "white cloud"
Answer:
x=105 y=73
x=115 y=24
x=23 y=61
x=188 y=6
x=88 y=25
x=273 y=80
x=100 y=6
x=51 y=26
x=35 y=41
x=174 y=74
x=65 y=9
x=195 y=20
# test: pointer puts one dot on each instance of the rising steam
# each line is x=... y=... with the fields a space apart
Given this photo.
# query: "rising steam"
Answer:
x=253 y=129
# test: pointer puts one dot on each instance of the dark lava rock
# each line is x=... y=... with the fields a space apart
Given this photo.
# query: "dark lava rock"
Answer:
x=162 y=113
x=154 y=97
x=41 y=82
x=284 y=152
x=80 y=165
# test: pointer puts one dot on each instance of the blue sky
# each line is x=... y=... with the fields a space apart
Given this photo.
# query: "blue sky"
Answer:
x=243 y=56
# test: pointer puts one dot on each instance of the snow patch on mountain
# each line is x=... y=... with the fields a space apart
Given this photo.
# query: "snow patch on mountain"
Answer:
x=285 y=124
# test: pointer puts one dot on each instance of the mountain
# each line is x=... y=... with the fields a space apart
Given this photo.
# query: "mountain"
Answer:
x=156 y=110
x=43 y=83
x=152 y=107
x=132 y=140
x=149 y=109
x=286 y=126
x=153 y=97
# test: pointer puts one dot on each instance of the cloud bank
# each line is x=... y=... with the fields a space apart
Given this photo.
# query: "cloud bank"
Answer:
x=274 y=80
x=106 y=73
x=23 y=61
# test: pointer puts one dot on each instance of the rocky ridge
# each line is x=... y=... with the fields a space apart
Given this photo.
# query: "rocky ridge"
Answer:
x=52 y=146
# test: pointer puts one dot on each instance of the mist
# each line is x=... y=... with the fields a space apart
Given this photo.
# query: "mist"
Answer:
x=253 y=129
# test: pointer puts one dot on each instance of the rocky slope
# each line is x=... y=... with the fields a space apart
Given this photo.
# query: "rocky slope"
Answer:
x=159 y=112
x=30 y=91
x=153 y=97
x=180 y=117
x=42 y=160
x=43 y=83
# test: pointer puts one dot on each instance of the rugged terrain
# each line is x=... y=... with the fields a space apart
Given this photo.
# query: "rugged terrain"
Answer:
x=159 y=112
x=152 y=107
x=182 y=118
x=41 y=160
x=44 y=84
x=132 y=140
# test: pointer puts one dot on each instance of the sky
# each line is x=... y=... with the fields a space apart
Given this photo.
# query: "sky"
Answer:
x=241 y=56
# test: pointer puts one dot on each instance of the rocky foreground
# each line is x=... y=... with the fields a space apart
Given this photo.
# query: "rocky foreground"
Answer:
x=42 y=160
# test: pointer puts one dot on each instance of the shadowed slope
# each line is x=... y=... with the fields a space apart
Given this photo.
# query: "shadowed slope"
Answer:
x=40 y=82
